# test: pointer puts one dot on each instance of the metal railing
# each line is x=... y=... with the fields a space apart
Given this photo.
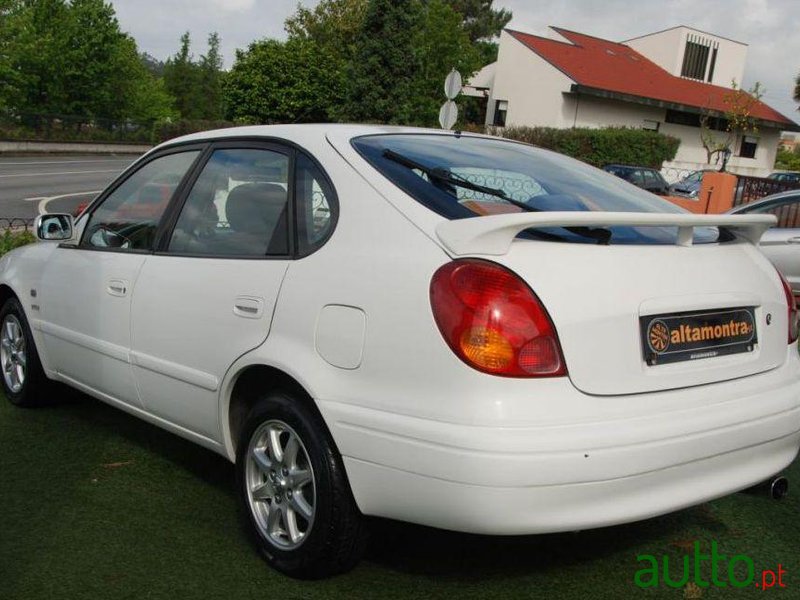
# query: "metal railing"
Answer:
x=749 y=189
x=15 y=224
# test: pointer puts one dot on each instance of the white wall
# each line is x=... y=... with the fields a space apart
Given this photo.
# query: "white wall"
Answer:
x=531 y=86
x=666 y=49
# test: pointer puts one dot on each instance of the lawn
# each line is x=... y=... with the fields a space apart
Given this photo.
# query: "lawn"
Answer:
x=96 y=504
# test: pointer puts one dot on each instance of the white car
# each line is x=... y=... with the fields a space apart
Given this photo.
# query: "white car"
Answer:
x=448 y=329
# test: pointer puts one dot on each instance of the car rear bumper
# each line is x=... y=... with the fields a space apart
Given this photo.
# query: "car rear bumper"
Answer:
x=520 y=480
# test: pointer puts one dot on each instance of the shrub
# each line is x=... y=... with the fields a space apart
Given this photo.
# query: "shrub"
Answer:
x=11 y=239
x=599 y=147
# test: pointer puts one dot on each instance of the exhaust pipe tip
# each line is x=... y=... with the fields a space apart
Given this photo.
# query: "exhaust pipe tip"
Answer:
x=776 y=488
x=779 y=488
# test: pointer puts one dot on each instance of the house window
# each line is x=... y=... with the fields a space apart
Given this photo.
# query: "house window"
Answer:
x=500 y=111
x=713 y=64
x=748 y=147
x=696 y=55
x=679 y=117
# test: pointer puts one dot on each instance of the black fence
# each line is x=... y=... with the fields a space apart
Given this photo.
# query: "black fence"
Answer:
x=749 y=189
x=15 y=224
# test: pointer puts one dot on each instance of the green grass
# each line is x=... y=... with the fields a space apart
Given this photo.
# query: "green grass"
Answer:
x=96 y=504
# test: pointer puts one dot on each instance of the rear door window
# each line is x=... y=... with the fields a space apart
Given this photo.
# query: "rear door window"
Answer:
x=239 y=206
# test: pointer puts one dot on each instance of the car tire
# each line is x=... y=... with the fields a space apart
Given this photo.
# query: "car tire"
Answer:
x=23 y=379
x=294 y=493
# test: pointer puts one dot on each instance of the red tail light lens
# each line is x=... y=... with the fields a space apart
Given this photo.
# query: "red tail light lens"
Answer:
x=792 y=304
x=493 y=321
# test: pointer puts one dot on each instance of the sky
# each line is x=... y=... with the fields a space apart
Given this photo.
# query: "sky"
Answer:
x=769 y=27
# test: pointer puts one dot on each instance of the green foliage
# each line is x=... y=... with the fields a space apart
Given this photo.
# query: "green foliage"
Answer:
x=797 y=89
x=71 y=58
x=210 y=80
x=362 y=60
x=380 y=73
x=787 y=160
x=481 y=21
x=600 y=147
x=332 y=24
x=282 y=82
x=738 y=120
x=196 y=85
x=440 y=44
x=401 y=57
x=11 y=239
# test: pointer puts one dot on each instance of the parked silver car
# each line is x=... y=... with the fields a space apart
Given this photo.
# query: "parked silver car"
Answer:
x=781 y=244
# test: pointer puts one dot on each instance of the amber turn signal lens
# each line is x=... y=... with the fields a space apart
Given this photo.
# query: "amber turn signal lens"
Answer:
x=487 y=348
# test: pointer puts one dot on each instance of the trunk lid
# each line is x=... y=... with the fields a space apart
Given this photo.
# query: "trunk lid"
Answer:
x=597 y=296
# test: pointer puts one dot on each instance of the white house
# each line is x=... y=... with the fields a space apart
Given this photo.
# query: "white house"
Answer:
x=663 y=81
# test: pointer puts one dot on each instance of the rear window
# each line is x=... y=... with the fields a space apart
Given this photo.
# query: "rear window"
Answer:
x=460 y=176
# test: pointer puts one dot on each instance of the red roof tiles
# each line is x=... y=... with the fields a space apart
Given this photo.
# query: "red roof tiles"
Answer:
x=615 y=67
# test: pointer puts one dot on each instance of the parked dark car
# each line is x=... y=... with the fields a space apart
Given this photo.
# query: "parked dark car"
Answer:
x=643 y=177
x=786 y=176
x=689 y=186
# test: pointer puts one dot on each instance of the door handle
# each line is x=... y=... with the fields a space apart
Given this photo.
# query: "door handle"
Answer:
x=248 y=307
x=793 y=240
x=117 y=287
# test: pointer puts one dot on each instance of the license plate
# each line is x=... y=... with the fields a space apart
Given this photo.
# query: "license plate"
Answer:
x=695 y=335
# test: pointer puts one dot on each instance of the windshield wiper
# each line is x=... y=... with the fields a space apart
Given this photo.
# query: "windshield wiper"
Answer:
x=602 y=235
x=445 y=176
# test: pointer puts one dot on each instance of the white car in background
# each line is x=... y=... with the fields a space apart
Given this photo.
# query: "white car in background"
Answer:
x=453 y=330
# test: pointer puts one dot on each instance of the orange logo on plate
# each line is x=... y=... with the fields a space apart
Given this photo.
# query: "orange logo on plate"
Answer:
x=658 y=336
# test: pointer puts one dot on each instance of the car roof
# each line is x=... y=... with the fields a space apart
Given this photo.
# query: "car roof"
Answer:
x=618 y=166
x=299 y=133
x=766 y=200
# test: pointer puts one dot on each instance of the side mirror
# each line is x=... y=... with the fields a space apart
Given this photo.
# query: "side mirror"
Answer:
x=53 y=227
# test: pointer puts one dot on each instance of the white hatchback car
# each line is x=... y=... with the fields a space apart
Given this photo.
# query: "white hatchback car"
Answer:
x=453 y=330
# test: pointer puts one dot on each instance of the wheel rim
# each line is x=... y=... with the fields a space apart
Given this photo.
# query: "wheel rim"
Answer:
x=13 y=357
x=280 y=485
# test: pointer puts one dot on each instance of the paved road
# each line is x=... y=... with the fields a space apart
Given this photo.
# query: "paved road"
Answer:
x=33 y=184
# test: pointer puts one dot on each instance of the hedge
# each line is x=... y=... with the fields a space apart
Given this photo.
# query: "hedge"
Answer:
x=58 y=129
x=599 y=147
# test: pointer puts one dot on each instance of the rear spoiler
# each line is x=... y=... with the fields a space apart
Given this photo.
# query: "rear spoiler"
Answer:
x=493 y=234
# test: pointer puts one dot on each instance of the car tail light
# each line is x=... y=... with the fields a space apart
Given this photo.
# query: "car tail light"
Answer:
x=493 y=321
x=790 y=301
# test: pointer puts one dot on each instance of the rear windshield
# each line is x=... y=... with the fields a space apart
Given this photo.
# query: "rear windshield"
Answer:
x=461 y=176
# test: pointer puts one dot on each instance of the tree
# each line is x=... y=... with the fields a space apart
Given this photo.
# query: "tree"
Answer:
x=36 y=55
x=797 y=90
x=101 y=63
x=719 y=134
x=210 y=80
x=196 y=85
x=480 y=20
x=72 y=60
x=332 y=24
x=440 y=44
x=181 y=80
x=281 y=82
x=379 y=75
x=152 y=64
x=10 y=26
